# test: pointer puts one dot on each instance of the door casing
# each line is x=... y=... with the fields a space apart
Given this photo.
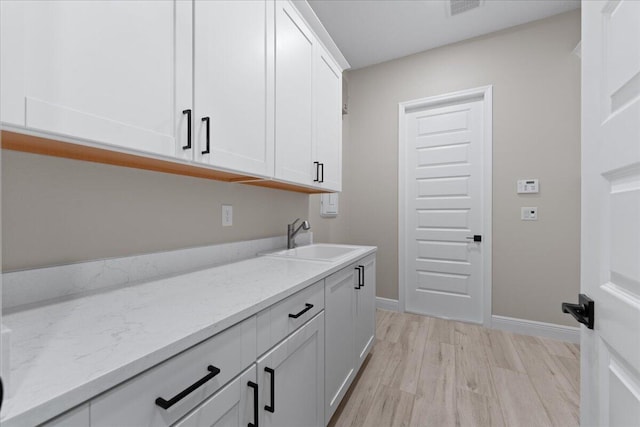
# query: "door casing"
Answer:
x=485 y=94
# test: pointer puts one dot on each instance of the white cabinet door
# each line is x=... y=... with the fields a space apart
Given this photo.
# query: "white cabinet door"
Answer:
x=232 y=406
x=328 y=126
x=101 y=71
x=365 y=313
x=294 y=96
x=233 y=87
x=291 y=379
x=339 y=344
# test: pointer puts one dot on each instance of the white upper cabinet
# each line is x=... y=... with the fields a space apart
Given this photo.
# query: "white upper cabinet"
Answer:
x=328 y=125
x=294 y=96
x=101 y=71
x=233 y=86
x=241 y=86
x=308 y=105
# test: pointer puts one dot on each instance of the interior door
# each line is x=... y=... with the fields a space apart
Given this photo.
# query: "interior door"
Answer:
x=610 y=247
x=443 y=262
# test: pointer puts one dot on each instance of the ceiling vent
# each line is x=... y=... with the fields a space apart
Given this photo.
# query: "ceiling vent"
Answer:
x=456 y=7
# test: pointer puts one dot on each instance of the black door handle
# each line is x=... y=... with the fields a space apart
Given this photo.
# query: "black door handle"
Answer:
x=166 y=404
x=207 y=121
x=475 y=238
x=306 y=308
x=582 y=312
x=361 y=267
x=359 y=278
x=254 y=386
x=317 y=165
x=321 y=172
x=271 y=408
x=188 y=113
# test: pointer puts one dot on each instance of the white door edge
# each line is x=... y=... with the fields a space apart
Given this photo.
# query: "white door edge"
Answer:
x=485 y=94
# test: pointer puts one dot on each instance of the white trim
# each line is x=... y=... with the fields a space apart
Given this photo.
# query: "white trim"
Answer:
x=537 y=329
x=309 y=15
x=486 y=94
x=387 y=304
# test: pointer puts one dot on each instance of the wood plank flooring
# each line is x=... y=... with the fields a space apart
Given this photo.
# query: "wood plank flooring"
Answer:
x=425 y=371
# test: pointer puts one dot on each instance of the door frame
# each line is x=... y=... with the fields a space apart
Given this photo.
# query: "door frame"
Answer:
x=484 y=94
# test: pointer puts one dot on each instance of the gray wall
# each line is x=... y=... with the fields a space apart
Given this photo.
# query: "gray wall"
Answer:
x=58 y=211
x=536 y=134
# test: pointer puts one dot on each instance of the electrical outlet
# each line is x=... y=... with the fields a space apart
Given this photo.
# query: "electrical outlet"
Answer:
x=227 y=215
x=529 y=213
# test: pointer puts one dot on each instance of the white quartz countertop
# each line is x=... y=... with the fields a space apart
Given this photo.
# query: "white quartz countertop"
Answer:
x=64 y=354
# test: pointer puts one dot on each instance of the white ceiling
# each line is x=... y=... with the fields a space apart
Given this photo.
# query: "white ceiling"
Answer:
x=372 y=31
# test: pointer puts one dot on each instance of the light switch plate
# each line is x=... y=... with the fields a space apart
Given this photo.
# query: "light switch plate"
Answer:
x=529 y=213
x=227 y=215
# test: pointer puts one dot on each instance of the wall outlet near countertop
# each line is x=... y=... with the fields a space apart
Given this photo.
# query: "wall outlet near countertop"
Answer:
x=227 y=215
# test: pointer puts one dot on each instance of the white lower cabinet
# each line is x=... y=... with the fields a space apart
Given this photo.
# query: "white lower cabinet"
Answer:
x=78 y=417
x=288 y=366
x=350 y=327
x=234 y=405
x=365 y=310
x=339 y=294
x=182 y=382
x=291 y=379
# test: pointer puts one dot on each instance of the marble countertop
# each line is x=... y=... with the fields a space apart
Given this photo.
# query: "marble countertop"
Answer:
x=64 y=354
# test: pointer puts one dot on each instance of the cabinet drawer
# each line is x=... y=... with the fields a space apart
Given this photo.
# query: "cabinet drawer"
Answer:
x=133 y=402
x=234 y=405
x=275 y=323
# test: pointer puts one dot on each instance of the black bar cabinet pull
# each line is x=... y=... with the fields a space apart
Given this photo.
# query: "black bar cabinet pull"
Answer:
x=317 y=165
x=166 y=404
x=582 y=312
x=254 y=386
x=207 y=121
x=271 y=408
x=359 y=278
x=361 y=267
x=306 y=308
x=188 y=113
x=321 y=172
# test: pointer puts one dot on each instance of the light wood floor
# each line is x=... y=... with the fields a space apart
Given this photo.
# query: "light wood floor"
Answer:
x=431 y=372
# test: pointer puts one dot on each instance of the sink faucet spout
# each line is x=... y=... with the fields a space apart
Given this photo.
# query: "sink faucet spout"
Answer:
x=292 y=231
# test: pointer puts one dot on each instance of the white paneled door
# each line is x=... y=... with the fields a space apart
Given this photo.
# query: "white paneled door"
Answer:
x=610 y=247
x=443 y=217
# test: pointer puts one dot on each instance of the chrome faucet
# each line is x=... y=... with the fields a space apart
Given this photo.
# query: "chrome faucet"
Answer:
x=292 y=231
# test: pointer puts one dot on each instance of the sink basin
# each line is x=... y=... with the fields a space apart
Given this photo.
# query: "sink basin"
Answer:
x=317 y=252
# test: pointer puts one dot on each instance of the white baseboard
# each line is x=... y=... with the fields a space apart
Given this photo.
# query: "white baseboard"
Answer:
x=537 y=329
x=387 y=304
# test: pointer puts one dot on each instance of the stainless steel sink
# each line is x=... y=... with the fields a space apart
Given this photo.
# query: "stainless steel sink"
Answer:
x=317 y=252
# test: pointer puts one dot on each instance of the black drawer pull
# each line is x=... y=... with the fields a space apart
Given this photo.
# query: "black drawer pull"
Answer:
x=304 y=310
x=271 y=408
x=254 y=386
x=317 y=165
x=207 y=121
x=359 y=278
x=321 y=172
x=188 y=113
x=166 y=404
x=361 y=267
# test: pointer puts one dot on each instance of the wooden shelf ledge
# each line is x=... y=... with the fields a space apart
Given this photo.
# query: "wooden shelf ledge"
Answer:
x=50 y=147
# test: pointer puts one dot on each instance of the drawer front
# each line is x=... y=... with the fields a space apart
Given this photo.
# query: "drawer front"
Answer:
x=133 y=403
x=275 y=323
x=234 y=405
